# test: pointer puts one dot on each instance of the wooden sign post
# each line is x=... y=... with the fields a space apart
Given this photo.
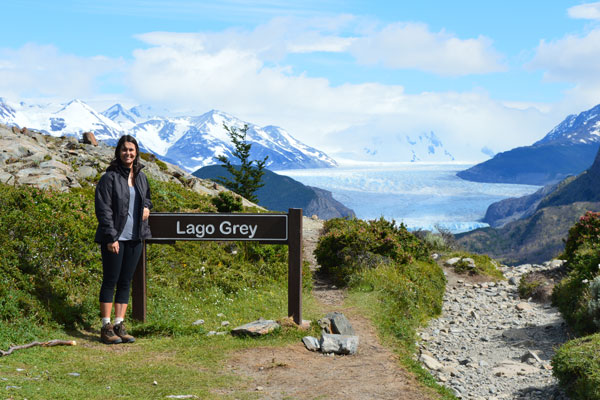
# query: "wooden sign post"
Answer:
x=263 y=228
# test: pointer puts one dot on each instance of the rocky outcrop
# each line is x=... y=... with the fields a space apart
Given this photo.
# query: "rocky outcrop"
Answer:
x=504 y=211
x=31 y=158
x=325 y=206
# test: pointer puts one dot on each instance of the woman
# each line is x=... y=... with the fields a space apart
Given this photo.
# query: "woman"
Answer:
x=122 y=208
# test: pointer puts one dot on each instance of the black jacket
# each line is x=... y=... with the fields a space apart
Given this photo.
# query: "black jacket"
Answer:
x=112 y=203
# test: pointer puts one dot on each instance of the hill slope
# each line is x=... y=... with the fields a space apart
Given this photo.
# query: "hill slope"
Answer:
x=568 y=149
x=532 y=228
x=282 y=192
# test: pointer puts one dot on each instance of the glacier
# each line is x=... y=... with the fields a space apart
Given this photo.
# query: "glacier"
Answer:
x=420 y=195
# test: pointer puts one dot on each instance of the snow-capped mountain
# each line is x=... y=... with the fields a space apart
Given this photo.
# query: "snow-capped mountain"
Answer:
x=60 y=120
x=424 y=147
x=568 y=149
x=581 y=128
x=190 y=142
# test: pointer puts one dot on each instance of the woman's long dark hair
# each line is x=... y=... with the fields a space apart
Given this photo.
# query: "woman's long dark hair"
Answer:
x=116 y=162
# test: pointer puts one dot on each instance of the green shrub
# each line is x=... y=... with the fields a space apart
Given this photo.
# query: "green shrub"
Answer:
x=50 y=267
x=529 y=285
x=227 y=202
x=172 y=197
x=351 y=245
x=585 y=233
x=573 y=295
x=576 y=364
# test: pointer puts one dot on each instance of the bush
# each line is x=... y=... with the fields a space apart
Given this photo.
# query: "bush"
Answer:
x=576 y=364
x=227 y=202
x=386 y=260
x=351 y=245
x=585 y=233
x=51 y=269
x=573 y=295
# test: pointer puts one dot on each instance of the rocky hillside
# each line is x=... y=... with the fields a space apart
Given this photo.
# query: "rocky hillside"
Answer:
x=32 y=158
x=568 y=149
x=281 y=193
x=532 y=228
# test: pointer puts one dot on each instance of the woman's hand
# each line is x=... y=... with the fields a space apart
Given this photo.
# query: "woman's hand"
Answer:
x=145 y=214
x=113 y=247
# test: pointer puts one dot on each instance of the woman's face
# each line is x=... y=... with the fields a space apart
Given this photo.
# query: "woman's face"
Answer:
x=128 y=154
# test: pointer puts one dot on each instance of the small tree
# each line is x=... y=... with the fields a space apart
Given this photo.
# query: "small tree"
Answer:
x=247 y=178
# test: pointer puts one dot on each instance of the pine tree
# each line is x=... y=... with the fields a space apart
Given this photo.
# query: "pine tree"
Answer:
x=247 y=178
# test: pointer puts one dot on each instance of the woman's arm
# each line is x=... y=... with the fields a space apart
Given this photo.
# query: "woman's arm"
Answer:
x=103 y=208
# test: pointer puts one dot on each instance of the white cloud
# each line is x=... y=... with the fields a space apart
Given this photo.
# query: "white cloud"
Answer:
x=412 y=45
x=576 y=60
x=42 y=70
x=585 y=11
x=572 y=58
x=181 y=74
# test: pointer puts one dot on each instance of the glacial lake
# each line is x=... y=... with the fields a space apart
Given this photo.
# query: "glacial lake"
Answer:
x=421 y=195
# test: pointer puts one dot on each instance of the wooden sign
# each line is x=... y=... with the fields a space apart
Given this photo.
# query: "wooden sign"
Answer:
x=265 y=228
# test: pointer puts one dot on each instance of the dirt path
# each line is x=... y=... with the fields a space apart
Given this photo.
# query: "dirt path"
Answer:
x=292 y=372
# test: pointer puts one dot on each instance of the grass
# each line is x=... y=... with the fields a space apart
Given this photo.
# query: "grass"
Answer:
x=187 y=361
x=484 y=265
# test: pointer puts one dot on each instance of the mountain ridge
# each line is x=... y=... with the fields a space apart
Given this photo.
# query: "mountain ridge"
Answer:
x=568 y=149
x=533 y=228
x=187 y=141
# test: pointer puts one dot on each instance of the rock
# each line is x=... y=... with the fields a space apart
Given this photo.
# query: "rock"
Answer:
x=256 y=328
x=509 y=368
x=530 y=357
x=340 y=324
x=451 y=261
x=15 y=130
x=225 y=323
x=523 y=306
x=311 y=343
x=89 y=138
x=339 y=344
x=86 y=172
x=325 y=325
x=198 y=322
x=431 y=362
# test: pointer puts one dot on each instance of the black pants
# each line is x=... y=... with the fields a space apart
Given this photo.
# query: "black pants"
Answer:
x=118 y=271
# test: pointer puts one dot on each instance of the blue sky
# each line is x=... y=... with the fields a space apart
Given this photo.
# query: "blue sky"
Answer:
x=343 y=76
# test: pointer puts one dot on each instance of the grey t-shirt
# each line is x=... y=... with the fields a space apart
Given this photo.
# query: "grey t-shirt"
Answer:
x=132 y=225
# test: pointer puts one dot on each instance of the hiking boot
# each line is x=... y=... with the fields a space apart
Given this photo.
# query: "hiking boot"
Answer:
x=107 y=335
x=122 y=333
